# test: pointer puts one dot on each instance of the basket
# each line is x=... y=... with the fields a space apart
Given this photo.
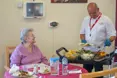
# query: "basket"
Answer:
x=71 y=56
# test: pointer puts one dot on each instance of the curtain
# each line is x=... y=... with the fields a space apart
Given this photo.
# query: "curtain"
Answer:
x=115 y=59
x=116 y=25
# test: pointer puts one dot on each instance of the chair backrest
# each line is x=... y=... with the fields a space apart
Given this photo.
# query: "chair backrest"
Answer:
x=100 y=73
x=9 y=50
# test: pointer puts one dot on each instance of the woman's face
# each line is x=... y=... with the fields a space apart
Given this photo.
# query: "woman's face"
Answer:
x=30 y=38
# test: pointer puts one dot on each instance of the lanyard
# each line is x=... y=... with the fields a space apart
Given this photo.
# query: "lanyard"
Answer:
x=95 y=21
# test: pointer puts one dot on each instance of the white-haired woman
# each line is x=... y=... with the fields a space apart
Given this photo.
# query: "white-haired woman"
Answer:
x=27 y=52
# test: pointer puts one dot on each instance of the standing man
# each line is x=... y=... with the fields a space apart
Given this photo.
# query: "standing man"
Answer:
x=98 y=30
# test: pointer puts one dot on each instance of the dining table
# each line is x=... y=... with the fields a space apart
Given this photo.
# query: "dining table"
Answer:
x=70 y=75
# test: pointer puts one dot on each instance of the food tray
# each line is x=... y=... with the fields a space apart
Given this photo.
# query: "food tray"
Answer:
x=106 y=61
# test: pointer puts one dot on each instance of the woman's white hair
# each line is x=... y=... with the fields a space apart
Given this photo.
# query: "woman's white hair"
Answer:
x=24 y=32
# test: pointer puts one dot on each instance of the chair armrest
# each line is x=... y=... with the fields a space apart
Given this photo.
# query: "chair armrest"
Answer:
x=6 y=68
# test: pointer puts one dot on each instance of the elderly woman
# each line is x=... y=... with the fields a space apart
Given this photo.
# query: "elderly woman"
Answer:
x=27 y=52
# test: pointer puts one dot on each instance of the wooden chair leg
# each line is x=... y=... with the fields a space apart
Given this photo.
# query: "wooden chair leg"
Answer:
x=115 y=75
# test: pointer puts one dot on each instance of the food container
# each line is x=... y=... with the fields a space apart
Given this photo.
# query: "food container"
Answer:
x=54 y=65
x=71 y=55
x=87 y=56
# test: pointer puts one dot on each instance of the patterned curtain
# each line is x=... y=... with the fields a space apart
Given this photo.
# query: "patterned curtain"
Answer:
x=115 y=59
x=116 y=25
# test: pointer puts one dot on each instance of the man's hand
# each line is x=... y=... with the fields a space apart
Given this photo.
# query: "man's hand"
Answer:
x=107 y=42
x=83 y=41
x=82 y=37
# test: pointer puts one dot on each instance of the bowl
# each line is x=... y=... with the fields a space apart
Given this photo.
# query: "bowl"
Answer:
x=87 y=56
x=71 y=55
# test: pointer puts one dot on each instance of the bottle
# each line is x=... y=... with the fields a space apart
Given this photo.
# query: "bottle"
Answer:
x=35 y=70
x=64 y=66
x=54 y=65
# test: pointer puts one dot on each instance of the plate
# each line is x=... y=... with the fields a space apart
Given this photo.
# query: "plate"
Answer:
x=44 y=71
x=91 y=48
x=85 y=44
x=100 y=56
x=22 y=74
x=97 y=58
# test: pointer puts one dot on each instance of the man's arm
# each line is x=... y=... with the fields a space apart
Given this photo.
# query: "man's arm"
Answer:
x=112 y=38
x=82 y=32
x=82 y=36
x=110 y=31
x=110 y=28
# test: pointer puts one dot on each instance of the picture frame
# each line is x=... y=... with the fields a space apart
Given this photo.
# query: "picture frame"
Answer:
x=69 y=1
x=34 y=9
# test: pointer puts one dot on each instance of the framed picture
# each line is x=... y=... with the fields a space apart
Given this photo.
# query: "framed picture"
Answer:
x=33 y=9
x=69 y=1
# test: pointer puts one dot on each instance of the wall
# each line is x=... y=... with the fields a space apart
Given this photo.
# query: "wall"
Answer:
x=66 y=34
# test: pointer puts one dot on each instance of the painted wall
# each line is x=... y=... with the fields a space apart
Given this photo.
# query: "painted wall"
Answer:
x=66 y=34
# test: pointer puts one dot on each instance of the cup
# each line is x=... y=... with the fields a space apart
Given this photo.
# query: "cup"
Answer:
x=25 y=68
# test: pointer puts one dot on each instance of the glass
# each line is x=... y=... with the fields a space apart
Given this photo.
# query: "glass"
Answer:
x=54 y=66
x=35 y=70
x=25 y=68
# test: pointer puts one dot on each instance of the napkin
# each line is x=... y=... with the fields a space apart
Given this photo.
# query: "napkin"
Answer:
x=74 y=71
x=16 y=73
x=13 y=69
